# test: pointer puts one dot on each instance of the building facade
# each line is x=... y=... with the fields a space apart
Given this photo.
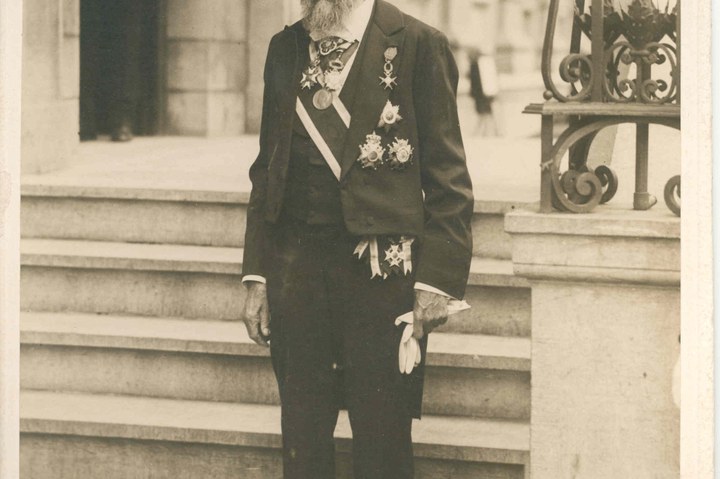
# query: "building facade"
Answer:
x=209 y=57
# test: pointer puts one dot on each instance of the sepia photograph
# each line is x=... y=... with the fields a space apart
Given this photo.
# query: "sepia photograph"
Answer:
x=355 y=239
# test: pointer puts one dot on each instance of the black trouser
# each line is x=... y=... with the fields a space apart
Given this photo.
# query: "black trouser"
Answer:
x=334 y=341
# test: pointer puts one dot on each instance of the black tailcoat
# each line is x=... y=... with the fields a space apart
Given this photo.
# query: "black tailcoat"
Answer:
x=431 y=199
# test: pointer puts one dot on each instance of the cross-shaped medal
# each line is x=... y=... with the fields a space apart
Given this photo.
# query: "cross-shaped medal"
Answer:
x=388 y=81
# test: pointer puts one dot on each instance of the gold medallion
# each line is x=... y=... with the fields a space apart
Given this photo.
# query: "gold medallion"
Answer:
x=322 y=99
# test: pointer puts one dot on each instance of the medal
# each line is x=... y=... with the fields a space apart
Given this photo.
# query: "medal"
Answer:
x=389 y=116
x=322 y=99
x=401 y=154
x=310 y=77
x=397 y=255
x=328 y=76
x=372 y=152
x=388 y=79
x=333 y=80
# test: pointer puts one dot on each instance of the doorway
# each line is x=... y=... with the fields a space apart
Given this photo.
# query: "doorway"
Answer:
x=119 y=68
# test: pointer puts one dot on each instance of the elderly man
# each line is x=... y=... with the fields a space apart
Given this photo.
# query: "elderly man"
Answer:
x=360 y=212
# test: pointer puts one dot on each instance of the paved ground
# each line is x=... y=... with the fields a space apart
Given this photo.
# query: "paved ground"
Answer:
x=503 y=168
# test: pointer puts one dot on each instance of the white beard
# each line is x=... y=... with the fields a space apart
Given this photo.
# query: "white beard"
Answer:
x=325 y=17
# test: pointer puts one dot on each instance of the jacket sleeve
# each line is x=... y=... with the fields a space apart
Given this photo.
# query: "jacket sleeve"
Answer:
x=256 y=228
x=446 y=246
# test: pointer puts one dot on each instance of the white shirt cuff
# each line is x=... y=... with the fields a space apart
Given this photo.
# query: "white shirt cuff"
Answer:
x=431 y=289
x=254 y=277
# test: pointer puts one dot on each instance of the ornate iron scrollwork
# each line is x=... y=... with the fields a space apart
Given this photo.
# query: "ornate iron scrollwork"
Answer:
x=641 y=89
x=577 y=192
x=631 y=75
x=672 y=194
x=580 y=189
x=632 y=34
x=609 y=180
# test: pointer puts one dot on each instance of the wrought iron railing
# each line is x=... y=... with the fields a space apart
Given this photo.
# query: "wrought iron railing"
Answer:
x=630 y=75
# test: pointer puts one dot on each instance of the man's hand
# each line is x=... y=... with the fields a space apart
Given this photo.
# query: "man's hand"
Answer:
x=430 y=311
x=256 y=314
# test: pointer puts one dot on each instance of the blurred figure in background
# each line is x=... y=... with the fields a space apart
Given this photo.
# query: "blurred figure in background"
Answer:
x=118 y=58
x=483 y=88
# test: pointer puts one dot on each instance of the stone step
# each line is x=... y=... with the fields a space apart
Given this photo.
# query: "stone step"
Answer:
x=67 y=435
x=468 y=375
x=500 y=301
x=203 y=218
x=193 y=217
x=203 y=282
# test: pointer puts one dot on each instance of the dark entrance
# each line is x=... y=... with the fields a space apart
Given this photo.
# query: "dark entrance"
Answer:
x=118 y=68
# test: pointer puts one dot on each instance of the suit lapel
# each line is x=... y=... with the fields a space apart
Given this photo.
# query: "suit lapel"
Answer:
x=386 y=29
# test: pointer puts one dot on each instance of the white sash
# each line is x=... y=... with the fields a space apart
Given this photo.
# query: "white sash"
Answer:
x=317 y=139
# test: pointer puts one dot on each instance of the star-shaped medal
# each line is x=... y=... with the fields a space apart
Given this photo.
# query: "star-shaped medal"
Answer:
x=388 y=81
x=310 y=77
x=393 y=256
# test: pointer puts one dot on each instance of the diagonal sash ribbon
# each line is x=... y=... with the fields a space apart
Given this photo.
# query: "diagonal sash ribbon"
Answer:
x=326 y=150
x=331 y=122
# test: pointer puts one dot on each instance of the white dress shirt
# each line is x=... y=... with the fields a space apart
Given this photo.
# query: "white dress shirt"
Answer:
x=353 y=30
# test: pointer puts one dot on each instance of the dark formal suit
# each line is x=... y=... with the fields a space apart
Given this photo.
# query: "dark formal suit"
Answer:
x=334 y=342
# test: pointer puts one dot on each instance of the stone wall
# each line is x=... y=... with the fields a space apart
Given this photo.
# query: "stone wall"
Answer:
x=212 y=59
x=50 y=83
x=207 y=72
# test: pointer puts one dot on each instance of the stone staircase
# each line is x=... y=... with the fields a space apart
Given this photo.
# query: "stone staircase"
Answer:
x=133 y=363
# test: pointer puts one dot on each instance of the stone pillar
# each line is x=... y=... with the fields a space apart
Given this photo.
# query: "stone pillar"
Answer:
x=605 y=341
x=11 y=22
x=206 y=67
x=51 y=83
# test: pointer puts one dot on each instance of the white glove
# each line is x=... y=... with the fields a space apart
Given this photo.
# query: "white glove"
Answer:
x=409 y=354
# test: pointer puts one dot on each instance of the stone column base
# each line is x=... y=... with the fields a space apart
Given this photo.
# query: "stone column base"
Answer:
x=605 y=341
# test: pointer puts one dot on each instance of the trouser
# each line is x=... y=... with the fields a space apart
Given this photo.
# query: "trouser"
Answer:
x=334 y=344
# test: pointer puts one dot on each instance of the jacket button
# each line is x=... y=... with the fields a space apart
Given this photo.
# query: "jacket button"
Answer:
x=370 y=221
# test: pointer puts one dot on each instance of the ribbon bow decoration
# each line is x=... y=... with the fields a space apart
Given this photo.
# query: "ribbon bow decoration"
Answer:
x=409 y=354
